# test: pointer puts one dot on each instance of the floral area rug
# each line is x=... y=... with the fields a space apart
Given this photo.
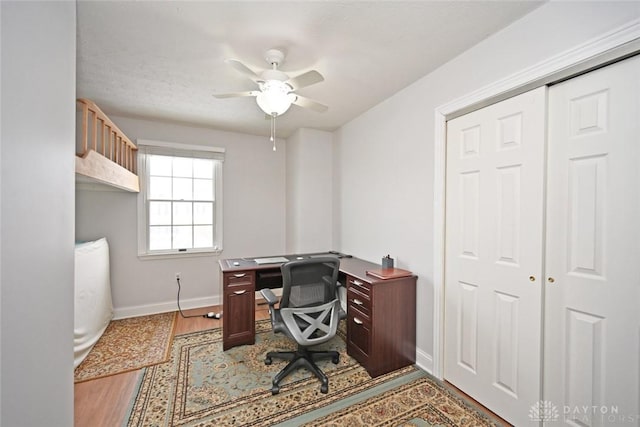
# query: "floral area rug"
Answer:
x=201 y=385
x=127 y=345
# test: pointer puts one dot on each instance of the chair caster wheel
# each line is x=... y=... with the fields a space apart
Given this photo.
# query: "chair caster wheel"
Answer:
x=267 y=361
x=275 y=390
x=335 y=360
x=324 y=388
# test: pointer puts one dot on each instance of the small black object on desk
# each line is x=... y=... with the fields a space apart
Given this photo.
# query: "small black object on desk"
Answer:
x=387 y=262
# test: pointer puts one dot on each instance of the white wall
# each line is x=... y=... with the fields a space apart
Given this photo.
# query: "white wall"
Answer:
x=37 y=177
x=384 y=159
x=254 y=221
x=309 y=191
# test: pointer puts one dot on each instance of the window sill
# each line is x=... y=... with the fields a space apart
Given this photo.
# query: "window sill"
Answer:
x=173 y=255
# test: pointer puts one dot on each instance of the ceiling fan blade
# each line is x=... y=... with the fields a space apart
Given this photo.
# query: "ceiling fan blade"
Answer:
x=305 y=79
x=237 y=94
x=243 y=69
x=301 y=101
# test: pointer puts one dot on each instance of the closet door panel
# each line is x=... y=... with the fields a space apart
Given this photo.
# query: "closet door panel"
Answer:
x=592 y=308
x=494 y=204
x=508 y=211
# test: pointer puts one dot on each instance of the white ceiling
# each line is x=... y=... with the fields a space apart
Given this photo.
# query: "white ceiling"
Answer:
x=164 y=60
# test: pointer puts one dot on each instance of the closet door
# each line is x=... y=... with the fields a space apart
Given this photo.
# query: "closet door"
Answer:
x=494 y=250
x=592 y=310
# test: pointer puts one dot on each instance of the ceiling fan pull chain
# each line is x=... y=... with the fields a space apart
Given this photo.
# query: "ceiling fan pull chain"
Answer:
x=273 y=130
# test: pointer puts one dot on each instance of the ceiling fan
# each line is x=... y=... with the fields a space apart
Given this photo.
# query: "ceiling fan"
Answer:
x=276 y=89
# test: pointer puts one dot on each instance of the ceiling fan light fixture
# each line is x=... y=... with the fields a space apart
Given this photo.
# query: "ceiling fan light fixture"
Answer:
x=276 y=92
x=274 y=97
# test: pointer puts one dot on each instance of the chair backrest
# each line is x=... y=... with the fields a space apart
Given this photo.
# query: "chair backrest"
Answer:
x=309 y=305
x=309 y=282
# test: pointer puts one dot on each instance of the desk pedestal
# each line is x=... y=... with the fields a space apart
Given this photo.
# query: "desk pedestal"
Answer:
x=239 y=316
x=381 y=329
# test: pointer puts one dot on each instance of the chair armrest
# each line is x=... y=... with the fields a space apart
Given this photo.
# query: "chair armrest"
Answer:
x=269 y=296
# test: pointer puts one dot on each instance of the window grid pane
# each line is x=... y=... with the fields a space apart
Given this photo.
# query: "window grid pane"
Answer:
x=203 y=213
x=203 y=168
x=182 y=189
x=159 y=213
x=183 y=166
x=160 y=187
x=160 y=165
x=202 y=236
x=182 y=213
x=182 y=236
x=159 y=238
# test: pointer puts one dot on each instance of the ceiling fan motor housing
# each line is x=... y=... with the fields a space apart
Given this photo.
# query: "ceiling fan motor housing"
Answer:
x=274 y=75
x=274 y=56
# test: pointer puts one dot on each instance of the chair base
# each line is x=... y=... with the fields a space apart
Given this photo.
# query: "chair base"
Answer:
x=301 y=358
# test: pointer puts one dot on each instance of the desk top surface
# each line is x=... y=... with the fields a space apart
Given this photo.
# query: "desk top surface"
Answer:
x=350 y=265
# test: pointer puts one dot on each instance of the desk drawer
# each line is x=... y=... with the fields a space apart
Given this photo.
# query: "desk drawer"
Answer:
x=357 y=285
x=239 y=278
x=359 y=337
x=359 y=302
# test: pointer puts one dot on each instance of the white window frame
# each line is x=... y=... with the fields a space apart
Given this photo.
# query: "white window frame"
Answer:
x=149 y=147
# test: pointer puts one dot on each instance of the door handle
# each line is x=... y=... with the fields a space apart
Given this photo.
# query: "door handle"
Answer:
x=357 y=301
x=240 y=292
x=532 y=278
x=357 y=321
x=239 y=274
x=551 y=280
x=356 y=282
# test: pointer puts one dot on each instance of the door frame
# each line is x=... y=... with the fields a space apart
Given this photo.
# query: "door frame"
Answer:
x=609 y=47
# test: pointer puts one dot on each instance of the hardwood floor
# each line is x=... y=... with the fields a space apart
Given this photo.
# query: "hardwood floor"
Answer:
x=104 y=402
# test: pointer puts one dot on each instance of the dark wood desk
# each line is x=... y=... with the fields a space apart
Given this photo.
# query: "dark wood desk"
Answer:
x=381 y=325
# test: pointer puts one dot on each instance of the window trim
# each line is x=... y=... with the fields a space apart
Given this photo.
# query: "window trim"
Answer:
x=146 y=147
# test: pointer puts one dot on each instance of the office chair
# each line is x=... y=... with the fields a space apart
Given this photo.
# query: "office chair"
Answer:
x=309 y=313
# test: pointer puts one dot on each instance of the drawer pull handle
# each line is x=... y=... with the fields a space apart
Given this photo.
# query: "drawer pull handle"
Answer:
x=356 y=282
x=357 y=301
x=239 y=274
x=357 y=321
x=240 y=292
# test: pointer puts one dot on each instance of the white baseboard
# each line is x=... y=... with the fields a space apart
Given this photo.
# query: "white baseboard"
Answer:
x=144 y=310
x=424 y=361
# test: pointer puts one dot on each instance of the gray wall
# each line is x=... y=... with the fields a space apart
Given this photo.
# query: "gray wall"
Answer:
x=37 y=213
x=309 y=191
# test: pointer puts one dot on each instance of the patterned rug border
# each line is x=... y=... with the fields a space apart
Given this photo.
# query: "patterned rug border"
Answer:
x=374 y=402
x=142 y=366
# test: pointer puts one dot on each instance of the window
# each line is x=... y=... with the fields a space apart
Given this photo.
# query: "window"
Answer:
x=180 y=201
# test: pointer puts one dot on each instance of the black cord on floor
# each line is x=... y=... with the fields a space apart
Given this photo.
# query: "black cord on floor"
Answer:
x=208 y=315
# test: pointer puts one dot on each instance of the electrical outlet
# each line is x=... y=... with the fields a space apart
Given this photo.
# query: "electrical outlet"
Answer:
x=177 y=276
